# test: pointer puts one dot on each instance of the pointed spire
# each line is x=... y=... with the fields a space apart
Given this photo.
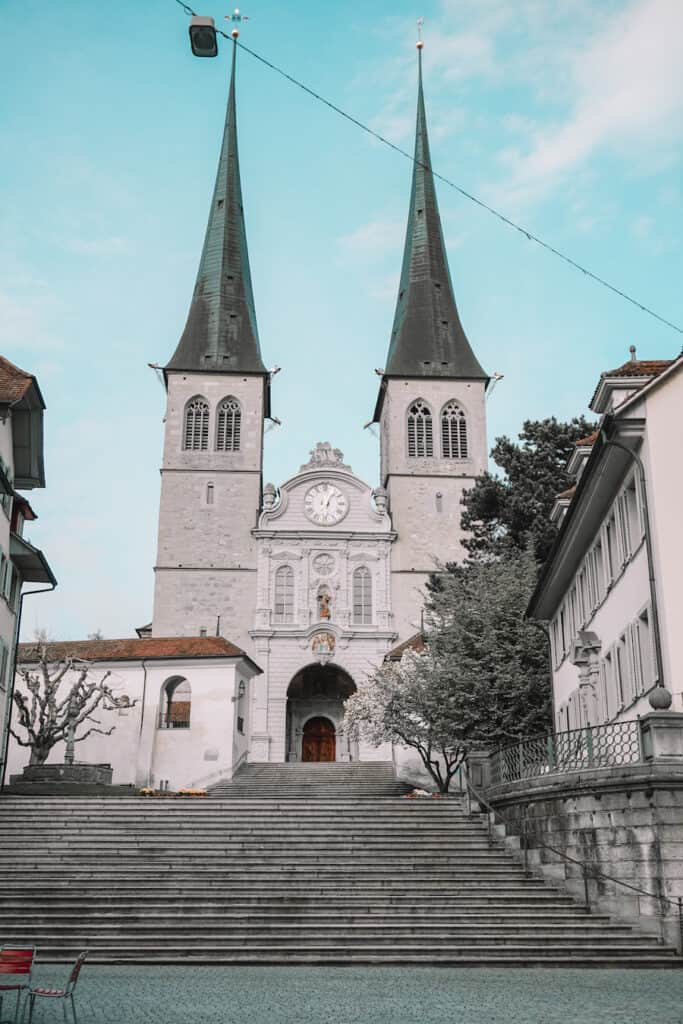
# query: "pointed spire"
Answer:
x=221 y=332
x=427 y=339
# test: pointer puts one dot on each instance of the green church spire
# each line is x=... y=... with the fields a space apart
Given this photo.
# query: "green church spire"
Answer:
x=221 y=333
x=427 y=339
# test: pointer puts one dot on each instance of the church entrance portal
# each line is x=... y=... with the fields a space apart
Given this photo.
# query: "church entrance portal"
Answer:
x=318 y=740
x=315 y=713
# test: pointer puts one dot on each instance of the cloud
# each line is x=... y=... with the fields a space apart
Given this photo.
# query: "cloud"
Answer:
x=97 y=246
x=626 y=95
x=372 y=241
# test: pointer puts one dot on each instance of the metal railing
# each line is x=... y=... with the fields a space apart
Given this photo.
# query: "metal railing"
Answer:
x=595 y=746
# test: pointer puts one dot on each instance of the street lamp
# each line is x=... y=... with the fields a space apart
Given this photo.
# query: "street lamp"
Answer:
x=203 y=36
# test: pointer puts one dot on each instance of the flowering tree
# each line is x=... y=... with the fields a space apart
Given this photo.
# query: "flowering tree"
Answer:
x=56 y=704
x=482 y=679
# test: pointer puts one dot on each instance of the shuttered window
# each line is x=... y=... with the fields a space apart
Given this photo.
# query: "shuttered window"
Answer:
x=453 y=432
x=362 y=596
x=420 y=432
x=196 y=438
x=228 y=426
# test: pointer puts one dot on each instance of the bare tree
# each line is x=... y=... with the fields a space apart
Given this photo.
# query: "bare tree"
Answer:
x=53 y=707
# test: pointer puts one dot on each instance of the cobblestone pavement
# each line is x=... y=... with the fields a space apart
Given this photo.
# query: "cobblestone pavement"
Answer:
x=337 y=995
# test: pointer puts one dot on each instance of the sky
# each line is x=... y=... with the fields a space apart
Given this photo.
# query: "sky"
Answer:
x=566 y=115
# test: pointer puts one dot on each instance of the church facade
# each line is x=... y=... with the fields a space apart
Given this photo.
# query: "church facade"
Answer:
x=317 y=579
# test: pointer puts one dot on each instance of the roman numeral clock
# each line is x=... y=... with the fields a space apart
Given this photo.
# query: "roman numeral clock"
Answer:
x=325 y=504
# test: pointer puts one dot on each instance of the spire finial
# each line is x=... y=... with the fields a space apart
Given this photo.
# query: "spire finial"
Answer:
x=632 y=350
x=236 y=18
x=420 y=41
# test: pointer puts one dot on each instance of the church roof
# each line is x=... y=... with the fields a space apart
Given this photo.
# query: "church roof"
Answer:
x=427 y=339
x=414 y=643
x=221 y=333
x=127 y=649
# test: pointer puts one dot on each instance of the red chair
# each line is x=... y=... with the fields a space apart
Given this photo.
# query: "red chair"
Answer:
x=17 y=961
x=58 y=993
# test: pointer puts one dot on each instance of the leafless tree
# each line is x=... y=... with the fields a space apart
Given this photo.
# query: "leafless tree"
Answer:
x=55 y=704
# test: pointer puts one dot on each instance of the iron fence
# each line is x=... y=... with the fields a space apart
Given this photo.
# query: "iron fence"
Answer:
x=595 y=746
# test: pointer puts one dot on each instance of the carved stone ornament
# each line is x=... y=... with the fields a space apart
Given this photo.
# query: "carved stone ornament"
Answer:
x=324 y=456
x=322 y=646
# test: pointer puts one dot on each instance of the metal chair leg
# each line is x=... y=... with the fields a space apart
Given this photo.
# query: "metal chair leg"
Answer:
x=73 y=1009
x=32 y=1003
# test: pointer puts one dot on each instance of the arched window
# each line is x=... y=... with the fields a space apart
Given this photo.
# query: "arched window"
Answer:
x=453 y=432
x=196 y=437
x=176 y=698
x=362 y=596
x=228 y=425
x=284 y=594
x=420 y=435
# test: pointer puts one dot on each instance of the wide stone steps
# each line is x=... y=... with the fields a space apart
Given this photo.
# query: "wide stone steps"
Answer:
x=294 y=781
x=377 y=879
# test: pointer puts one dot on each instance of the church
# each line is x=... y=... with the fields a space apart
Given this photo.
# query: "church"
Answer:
x=273 y=602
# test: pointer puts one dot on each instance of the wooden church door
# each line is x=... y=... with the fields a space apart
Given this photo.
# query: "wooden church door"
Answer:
x=319 y=740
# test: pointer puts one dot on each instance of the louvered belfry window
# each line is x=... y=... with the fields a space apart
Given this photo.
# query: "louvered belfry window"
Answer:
x=362 y=596
x=453 y=432
x=196 y=425
x=284 y=594
x=420 y=433
x=228 y=426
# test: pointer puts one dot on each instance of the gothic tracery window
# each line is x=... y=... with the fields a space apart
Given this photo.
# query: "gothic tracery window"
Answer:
x=453 y=432
x=228 y=425
x=362 y=596
x=284 y=594
x=420 y=433
x=196 y=434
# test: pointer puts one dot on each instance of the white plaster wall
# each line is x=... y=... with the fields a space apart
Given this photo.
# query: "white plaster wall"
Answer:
x=662 y=456
x=143 y=754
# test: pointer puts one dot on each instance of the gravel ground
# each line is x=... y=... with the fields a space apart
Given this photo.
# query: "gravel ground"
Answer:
x=337 y=995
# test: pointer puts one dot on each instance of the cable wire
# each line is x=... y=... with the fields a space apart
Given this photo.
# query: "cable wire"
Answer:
x=529 y=235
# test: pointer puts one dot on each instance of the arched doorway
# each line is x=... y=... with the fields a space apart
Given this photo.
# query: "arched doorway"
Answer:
x=315 y=713
x=319 y=740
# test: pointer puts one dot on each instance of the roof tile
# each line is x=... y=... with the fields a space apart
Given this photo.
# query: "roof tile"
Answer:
x=129 y=649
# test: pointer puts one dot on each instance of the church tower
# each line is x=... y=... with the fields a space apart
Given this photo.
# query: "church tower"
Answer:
x=431 y=403
x=218 y=395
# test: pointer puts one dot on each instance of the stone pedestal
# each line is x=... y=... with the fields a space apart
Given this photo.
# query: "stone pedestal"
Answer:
x=661 y=735
x=85 y=774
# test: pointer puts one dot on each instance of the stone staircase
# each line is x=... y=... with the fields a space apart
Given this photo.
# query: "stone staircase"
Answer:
x=299 y=781
x=253 y=878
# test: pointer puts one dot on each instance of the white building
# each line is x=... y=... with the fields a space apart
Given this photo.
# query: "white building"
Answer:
x=611 y=589
x=21 y=468
x=316 y=581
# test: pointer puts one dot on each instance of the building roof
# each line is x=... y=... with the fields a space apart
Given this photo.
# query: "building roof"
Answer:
x=427 y=338
x=636 y=371
x=147 y=649
x=221 y=333
x=414 y=643
x=14 y=383
x=31 y=563
x=640 y=368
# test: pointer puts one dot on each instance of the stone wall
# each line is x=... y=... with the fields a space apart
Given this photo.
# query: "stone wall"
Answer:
x=625 y=823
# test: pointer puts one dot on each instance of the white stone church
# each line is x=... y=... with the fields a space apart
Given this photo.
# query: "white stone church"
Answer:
x=272 y=603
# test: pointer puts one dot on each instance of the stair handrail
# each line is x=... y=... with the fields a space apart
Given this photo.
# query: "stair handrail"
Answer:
x=583 y=864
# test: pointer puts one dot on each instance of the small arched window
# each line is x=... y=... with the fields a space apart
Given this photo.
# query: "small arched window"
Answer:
x=453 y=432
x=362 y=596
x=196 y=435
x=420 y=434
x=284 y=594
x=228 y=425
x=176 y=699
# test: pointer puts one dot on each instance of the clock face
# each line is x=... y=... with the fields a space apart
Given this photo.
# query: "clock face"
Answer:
x=325 y=504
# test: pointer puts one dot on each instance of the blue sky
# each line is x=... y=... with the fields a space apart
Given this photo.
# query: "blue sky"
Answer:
x=567 y=115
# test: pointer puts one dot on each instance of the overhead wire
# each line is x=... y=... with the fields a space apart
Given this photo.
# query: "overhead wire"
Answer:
x=529 y=235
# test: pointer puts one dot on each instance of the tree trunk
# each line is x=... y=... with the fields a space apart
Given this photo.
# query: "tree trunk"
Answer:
x=39 y=755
